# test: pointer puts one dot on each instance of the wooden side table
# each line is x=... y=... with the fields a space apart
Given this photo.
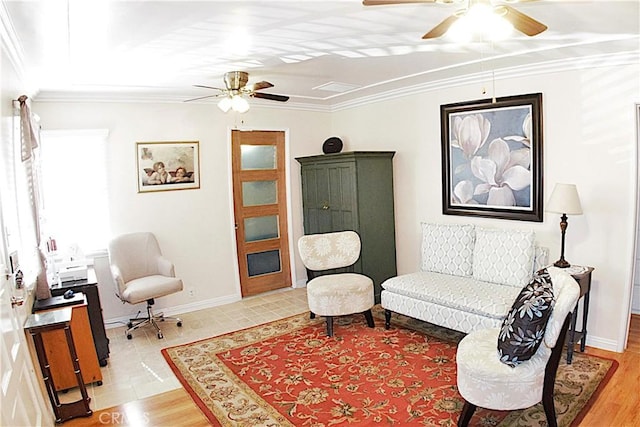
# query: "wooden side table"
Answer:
x=39 y=323
x=62 y=370
x=582 y=275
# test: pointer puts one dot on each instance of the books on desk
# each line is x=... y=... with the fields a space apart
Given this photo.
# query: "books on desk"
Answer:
x=57 y=302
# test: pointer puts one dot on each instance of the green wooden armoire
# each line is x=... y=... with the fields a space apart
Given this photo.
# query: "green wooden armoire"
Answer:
x=354 y=191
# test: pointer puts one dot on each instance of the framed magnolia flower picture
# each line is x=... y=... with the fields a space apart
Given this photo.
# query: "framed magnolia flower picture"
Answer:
x=492 y=158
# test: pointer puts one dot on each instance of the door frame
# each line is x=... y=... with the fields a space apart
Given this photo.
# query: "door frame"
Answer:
x=623 y=338
x=232 y=230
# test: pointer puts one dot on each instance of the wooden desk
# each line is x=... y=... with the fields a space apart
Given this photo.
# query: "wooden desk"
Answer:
x=584 y=280
x=62 y=369
x=42 y=323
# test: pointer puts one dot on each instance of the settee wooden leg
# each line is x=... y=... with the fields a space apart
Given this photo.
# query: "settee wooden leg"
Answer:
x=329 y=326
x=312 y=315
x=467 y=412
x=369 y=317
x=387 y=319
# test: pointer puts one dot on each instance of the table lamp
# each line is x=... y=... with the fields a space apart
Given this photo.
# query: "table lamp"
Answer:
x=565 y=200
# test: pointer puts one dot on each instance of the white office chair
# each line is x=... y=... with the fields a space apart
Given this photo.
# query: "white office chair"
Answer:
x=141 y=273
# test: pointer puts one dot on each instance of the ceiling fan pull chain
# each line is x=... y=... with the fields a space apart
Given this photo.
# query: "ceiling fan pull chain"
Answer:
x=493 y=78
x=493 y=81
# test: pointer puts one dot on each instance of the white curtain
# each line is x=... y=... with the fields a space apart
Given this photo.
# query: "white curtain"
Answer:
x=29 y=132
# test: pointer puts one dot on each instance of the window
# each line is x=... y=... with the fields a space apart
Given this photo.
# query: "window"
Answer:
x=18 y=233
x=74 y=189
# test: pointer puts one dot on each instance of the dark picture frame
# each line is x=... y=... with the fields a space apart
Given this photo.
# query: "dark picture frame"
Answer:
x=171 y=165
x=492 y=158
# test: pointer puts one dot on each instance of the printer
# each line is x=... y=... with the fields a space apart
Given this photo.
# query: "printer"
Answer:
x=68 y=273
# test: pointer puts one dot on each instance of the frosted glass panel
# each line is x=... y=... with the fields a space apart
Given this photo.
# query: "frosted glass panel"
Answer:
x=263 y=263
x=257 y=157
x=261 y=228
x=255 y=193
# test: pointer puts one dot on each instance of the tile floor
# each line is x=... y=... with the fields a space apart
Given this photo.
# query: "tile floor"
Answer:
x=136 y=368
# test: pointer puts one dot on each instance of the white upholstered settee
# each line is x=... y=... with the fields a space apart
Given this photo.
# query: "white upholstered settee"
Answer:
x=469 y=276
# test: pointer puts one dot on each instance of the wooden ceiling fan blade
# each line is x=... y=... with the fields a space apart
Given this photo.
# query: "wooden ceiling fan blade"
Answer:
x=385 y=2
x=523 y=23
x=261 y=85
x=270 y=96
x=441 y=28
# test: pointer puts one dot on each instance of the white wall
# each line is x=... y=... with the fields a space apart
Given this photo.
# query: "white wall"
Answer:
x=194 y=227
x=588 y=125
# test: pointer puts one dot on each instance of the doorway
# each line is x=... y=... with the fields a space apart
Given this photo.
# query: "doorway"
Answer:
x=635 y=285
x=635 y=294
x=260 y=210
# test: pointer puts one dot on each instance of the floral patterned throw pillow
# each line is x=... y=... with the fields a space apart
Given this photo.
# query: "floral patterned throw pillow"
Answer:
x=523 y=329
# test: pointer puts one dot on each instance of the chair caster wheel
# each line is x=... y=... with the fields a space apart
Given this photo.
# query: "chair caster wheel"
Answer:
x=160 y=336
x=179 y=324
x=99 y=383
x=129 y=325
x=129 y=336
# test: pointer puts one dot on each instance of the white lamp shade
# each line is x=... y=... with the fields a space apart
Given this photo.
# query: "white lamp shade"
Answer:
x=225 y=104
x=239 y=104
x=565 y=200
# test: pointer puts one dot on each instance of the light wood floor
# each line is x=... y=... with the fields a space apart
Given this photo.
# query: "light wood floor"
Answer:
x=618 y=405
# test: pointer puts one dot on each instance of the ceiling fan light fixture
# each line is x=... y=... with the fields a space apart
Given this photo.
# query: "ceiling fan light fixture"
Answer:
x=239 y=104
x=481 y=21
x=225 y=104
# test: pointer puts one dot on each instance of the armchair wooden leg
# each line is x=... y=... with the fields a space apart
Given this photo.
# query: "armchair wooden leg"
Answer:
x=467 y=412
x=387 y=319
x=549 y=410
x=369 y=316
x=329 y=326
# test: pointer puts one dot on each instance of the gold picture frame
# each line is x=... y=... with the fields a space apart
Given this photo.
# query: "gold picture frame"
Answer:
x=170 y=165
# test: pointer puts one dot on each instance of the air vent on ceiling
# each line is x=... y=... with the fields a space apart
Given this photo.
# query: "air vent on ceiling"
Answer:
x=336 y=87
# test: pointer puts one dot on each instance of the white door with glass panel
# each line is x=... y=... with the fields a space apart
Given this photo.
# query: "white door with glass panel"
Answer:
x=22 y=400
x=260 y=206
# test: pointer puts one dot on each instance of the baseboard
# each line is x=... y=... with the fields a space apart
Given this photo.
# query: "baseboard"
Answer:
x=602 y=344
x=117 y=322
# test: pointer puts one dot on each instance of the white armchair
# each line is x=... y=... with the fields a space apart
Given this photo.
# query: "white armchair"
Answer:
x=335 y=293
x=485 y=381
x=142 y=273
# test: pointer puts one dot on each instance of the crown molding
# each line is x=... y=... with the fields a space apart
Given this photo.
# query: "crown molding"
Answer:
x=12 y=47
x=554 y=66
x=561 y=65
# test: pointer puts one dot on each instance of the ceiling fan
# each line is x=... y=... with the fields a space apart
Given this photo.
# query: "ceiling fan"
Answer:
x=236 y=89
x=520 y=21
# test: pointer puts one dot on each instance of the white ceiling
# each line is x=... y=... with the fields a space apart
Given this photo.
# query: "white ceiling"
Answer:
x=157 y=50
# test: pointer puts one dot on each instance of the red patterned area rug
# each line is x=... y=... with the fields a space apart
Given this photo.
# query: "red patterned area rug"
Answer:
x=289 y=373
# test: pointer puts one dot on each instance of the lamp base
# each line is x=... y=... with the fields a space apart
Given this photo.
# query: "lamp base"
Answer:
x=562 y=263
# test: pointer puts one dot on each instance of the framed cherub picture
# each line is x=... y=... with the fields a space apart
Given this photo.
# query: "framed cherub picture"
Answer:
x=169 y=165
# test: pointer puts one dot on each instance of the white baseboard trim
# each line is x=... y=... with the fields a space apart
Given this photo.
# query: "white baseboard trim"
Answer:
x=117 y=322
x=602 y=344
